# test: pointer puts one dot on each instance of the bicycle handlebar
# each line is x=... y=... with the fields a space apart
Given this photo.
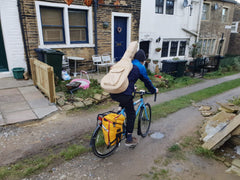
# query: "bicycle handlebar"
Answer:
x=142 y=92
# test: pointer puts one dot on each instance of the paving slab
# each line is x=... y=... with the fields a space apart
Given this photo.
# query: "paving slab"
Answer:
x=19 y=116
x=44 y=111
x=1 y=120
x=8 y=83
x=14 y=106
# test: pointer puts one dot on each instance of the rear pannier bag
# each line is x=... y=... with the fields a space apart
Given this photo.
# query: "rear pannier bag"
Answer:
x=112 y=127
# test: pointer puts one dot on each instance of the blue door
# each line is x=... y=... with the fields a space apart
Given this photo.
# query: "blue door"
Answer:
x=120 y=37
x=3 y=59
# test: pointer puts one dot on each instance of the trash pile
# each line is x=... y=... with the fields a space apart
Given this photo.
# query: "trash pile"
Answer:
x=220 y=127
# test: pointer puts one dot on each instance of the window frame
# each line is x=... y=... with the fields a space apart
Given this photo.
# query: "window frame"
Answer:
x=66 y=32
x=164 y=6
x=227 y=15
x=208 y=13
x=235 y=25
x=206 y=48
x=169 y=48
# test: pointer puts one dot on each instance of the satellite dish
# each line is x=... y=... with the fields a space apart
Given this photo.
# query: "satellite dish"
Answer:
x=185 y=3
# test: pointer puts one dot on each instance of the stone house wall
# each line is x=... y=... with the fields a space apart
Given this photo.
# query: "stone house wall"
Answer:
x=234 y=43
x=104 y=13
x=214 y=28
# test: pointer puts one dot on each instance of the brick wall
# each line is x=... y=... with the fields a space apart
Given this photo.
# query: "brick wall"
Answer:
x=214 y=28
x=104 y=35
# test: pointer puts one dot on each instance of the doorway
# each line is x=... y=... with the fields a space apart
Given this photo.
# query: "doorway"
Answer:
x=3 y=58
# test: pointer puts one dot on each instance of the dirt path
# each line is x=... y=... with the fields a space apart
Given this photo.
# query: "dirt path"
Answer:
x=143 y=161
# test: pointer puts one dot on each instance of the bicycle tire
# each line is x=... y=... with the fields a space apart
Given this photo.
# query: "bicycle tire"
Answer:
x=99 y=147
x=144 y=122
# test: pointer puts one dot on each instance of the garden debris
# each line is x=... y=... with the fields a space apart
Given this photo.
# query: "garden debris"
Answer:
x=235 y=168
x=229 y=107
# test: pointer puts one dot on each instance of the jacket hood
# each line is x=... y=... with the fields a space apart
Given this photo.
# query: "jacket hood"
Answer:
x=140 y=55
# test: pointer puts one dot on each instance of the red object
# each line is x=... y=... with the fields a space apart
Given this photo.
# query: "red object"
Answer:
x=68 y=2
x=158 y=76
x=88 y=2
x=100 y=1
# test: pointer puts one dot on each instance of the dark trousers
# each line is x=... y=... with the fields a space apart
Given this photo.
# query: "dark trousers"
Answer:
x=126 y=101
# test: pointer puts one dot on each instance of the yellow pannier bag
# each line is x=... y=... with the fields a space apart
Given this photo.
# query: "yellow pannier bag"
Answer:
x=112 y=127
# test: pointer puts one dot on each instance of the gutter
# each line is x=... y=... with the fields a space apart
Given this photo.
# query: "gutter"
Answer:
x=23 y=35
x=199 y=20
x=95 y=26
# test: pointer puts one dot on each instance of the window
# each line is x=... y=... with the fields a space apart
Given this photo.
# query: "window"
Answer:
x=60 y=26
x=173 y=48
x=52 y=25
x=164 y=7
x=169 y=6
x=224 y=14
x=207 y=46
x=159 y=6
x=206 y=11
x=78 y=26
x=182 y=48
x=165 y=49
x=234 y=27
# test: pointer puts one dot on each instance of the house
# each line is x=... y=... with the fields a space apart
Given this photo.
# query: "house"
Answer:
x=215 y=29
x=170 y=25
x=11 y=39
x=234 y=43
x=80 y=30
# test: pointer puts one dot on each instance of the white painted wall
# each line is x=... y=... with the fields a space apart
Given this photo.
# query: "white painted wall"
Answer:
x=12 y=36
x=153 y=25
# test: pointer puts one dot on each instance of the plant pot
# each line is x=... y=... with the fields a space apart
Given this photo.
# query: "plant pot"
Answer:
x=155 y=61
x=158 y=49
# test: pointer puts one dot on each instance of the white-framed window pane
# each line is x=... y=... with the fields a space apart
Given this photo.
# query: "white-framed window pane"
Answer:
x=213 y=46
x=208 y=46
x=182 y=48
x=165 y=49
x=52 y=24
x=204 y=46
x=169 y=6
x=159 y=6
x=78 y=26
x=173 y=49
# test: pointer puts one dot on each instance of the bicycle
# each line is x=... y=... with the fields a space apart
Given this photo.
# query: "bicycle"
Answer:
x=100 y=148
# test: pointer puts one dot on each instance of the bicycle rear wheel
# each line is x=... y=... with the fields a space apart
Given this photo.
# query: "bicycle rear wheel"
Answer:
x=99 y=147
x=144 y=120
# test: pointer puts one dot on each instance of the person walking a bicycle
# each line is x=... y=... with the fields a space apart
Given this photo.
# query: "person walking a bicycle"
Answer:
x=125 y=98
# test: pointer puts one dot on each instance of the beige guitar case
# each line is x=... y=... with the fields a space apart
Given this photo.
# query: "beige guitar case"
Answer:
x=116 y=81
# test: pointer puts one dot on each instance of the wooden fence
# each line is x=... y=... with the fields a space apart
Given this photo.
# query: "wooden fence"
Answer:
x=43 y=78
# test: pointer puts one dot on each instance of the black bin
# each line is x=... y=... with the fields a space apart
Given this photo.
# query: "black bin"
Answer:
x=53 y=58
x=174 y=67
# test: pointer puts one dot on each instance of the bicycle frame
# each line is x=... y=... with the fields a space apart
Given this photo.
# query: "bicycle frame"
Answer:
x=141 y=104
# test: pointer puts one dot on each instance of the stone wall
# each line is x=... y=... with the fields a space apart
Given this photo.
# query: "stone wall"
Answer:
x=234 y=43
x=214 y=28
x=104 y=34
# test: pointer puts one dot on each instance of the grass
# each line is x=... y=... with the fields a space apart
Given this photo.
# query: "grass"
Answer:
x=163 y=109
x=204 y=152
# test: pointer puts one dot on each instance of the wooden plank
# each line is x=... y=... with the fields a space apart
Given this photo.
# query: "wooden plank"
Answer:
x=213 y=141
x=52 y=96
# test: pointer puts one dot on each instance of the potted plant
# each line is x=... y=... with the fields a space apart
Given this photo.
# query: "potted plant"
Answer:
x=155 y=61
x=158 y=49
x=148 y=60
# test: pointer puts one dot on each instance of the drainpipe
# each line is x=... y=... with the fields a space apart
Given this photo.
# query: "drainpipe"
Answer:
x=199 y=20
x=95 y=26
x=23 y=34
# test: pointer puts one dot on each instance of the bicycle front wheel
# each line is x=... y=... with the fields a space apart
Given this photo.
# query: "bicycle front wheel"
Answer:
x=99 y=147
x=144 y=120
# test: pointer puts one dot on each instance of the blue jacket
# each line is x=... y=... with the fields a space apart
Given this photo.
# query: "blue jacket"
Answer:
x=138 y=72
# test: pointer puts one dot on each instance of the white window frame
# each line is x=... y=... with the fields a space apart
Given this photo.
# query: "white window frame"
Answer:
x=234 y=27
x=66 y=25
x=169 y=47
x=164 y=7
